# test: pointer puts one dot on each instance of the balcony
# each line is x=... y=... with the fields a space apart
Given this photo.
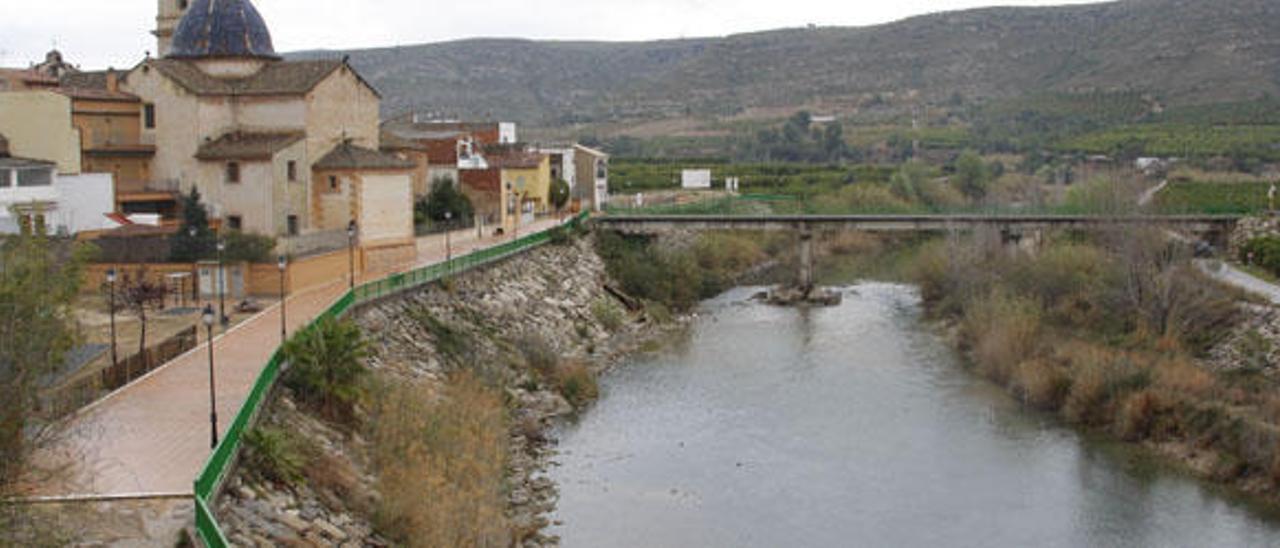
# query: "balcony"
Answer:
x=135 y=189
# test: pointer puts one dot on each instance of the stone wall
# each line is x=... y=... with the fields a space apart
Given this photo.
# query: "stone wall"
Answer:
x=1250 y=228
x=548 y=294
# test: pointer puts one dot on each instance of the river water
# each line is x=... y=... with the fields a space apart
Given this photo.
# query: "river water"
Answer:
x=855 y=426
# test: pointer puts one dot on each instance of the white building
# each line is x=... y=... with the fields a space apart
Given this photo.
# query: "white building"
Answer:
x=33 y=194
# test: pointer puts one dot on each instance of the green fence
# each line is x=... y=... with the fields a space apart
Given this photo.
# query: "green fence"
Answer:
x=222 y=460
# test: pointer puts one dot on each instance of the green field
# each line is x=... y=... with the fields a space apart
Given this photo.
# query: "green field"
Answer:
x=1183 y=141
x=630 y=175
x=1213 y=198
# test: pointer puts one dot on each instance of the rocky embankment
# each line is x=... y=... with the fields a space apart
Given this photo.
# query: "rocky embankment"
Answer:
x=554 y=297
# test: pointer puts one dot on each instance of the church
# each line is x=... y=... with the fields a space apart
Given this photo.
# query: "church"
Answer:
x=276 y=147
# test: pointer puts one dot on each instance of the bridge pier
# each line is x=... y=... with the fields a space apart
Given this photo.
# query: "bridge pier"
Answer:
x=805 y=278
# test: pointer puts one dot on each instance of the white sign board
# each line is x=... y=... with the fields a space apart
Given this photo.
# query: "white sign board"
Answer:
x=695 y=179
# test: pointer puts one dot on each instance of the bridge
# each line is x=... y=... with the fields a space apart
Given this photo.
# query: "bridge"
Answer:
x=1012 y=227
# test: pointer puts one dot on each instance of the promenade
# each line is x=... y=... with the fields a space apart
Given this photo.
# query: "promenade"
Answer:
x=151 y=438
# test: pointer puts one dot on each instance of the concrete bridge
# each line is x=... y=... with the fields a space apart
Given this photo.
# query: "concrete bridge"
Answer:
x=1014 y=228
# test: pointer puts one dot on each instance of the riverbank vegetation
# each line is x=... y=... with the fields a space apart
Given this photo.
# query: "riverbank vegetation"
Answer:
x=1107 y=332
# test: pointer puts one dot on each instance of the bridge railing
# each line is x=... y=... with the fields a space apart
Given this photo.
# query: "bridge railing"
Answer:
x=755 y=205
x=223 y=459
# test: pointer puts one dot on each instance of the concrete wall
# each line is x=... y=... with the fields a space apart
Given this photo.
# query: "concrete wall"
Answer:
x=83 y=202
x=534 y=184
x=38 y=125
x=386 y=208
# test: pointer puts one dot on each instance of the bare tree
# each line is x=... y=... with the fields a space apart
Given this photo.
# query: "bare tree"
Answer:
x=139 y=294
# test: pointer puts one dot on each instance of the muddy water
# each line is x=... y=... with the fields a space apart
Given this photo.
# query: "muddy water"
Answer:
x=855 y=426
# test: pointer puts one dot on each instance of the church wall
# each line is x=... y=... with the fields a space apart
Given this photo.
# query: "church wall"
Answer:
x=341 y=105
x=177 y=134
x=291 y=196
x=251 y=199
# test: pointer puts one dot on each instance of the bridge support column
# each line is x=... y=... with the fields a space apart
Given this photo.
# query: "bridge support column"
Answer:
x=805 y=279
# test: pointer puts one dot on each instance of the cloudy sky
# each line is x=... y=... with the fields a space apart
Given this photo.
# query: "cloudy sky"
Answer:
x=97 y=34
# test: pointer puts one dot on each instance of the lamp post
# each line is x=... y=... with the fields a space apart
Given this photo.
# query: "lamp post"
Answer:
x=111 y=282
x=351 y=254
x=207 y=317
x=448 y=247
x=283 y=263
x=222 y=292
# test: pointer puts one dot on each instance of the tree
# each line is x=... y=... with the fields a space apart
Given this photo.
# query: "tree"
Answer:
x=249 y=248
x=445 y=198
x=139 y=294
x=185 y=248
x=325 y=369
x=39 y=279
x=972 y=176
x=560 y=193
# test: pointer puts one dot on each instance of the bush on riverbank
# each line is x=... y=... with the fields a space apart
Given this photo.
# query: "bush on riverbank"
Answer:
x=681 y=276
x=1106 y=333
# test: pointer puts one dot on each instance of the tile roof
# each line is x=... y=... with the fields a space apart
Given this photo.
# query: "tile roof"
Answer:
x=512 y=157
x=93 y=79
x=391 y=141
x=349 y=156
x=28 y=76
x=248 y=145
x=275 y=78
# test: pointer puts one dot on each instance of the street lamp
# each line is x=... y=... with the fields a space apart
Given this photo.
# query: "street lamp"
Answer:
x=283 y=263
x=351 y=254
x=222 y=296
x=448 y=247
x=207 y=317
x=111 y=281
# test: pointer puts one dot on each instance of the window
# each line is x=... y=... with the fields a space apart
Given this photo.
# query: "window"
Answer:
x=35 y=177
x=6 y=178
x=182 y=5
x=234 y=222
x=292 y=169
x=293 y=225
x=149 y=116
x=333 y=183
x=233 y=172
x=602 y=169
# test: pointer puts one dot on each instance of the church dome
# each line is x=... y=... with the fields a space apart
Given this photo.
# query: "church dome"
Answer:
x=222 y=28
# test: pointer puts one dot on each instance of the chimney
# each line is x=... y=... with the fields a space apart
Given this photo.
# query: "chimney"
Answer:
x=113 y=80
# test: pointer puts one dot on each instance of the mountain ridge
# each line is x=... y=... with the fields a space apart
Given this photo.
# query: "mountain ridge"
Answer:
x=1182 y=51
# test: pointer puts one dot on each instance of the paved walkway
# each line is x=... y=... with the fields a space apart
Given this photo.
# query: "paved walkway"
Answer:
x=152 y=437
x=1231 y=275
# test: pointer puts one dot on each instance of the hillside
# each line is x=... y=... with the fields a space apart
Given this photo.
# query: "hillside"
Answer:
x=1179 y=51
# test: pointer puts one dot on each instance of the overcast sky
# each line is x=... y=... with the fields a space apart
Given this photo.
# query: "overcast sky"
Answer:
x=97 y=34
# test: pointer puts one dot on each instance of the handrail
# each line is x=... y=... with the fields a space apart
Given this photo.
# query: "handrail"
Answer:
x=223 y=458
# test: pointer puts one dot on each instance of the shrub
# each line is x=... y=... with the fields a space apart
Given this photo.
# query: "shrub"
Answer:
x=440 y=462
x=277 y=454
x=1137 y=415
x=1040 y=384
x=324 y=367
x=577 y=384
x=453 y=344
x=1264 y=252
x=607 y=313
x=539 y=354
x=1003 y=331
x=250 y=248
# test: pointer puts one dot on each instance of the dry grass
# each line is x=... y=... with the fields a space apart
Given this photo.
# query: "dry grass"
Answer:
x=1003 y=331
x=1138 y=415
x=441 y=463
x=1041 y=384
x=1180 y=376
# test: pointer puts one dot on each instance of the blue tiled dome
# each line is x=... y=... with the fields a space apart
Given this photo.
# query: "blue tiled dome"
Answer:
x=222 y=28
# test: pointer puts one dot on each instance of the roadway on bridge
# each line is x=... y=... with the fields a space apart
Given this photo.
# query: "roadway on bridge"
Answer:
x=151 y=438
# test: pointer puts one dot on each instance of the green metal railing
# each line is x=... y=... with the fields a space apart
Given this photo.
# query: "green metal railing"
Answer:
x=221 y=462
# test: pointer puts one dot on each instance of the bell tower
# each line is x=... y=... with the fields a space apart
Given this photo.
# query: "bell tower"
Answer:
x=167 y=17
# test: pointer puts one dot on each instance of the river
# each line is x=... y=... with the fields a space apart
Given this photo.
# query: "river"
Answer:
x=855 y=426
